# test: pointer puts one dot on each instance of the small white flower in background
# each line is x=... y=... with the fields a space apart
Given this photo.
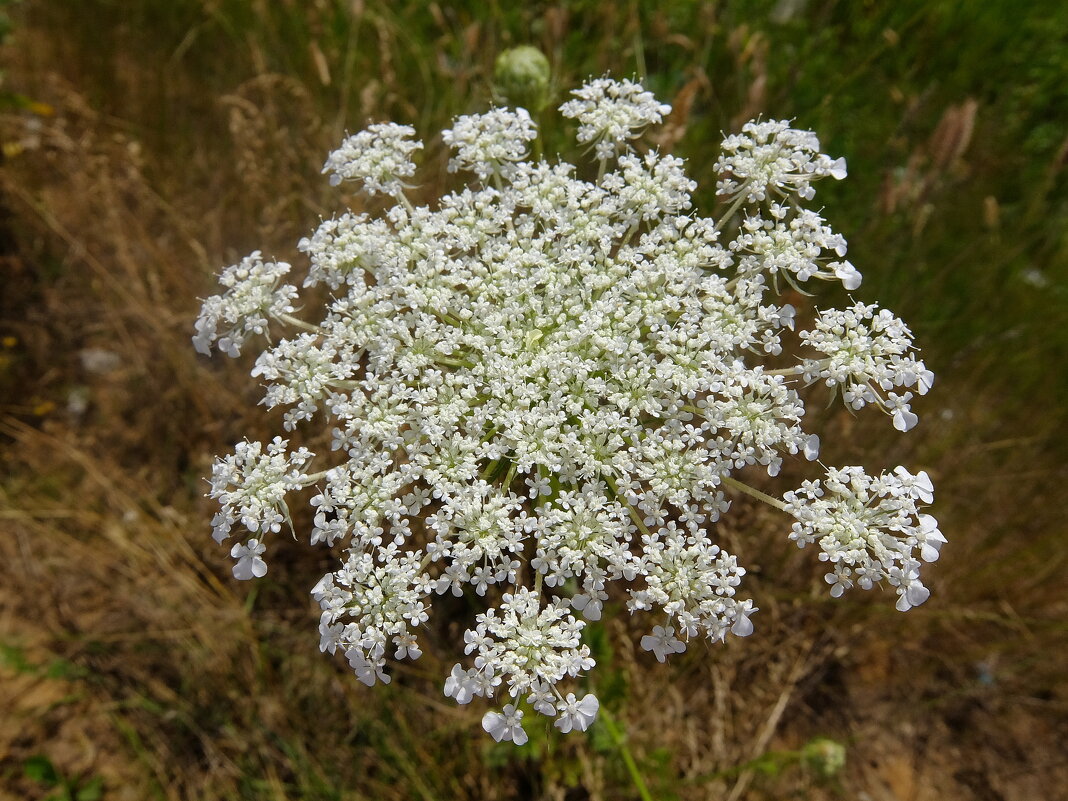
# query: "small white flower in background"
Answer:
x=541 y=388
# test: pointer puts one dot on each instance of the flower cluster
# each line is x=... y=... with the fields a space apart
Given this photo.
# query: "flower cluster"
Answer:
x=252 y=298
x=250 y=485
x=772 y=156
x=490 y=144
x=531 y=647
x=543 y=386
x=379 y=158
x=610 y=113
x=869 y=529
x=382 y=593
x=868 y=353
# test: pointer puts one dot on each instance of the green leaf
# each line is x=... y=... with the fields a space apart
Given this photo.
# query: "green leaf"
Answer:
x=92 y=790
x=39 y=768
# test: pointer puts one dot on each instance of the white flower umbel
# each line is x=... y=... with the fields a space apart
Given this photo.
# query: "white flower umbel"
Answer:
x=492 y=143
x=869 y=529
x=254 y=296
x=250 y=485
x=771 y=157
x=380 y=158
x=373 y=601
x=694 y=583
x=541 y=387
x=610 y=113
x=868 y=353
x=528 y=645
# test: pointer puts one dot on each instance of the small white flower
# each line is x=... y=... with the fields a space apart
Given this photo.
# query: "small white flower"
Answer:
x=662 y=642
x=459 y=685
x=743 y=626
x=250 y=563
x=850 y=276
x=506 y=726
x=919 y=486
x=575 y=714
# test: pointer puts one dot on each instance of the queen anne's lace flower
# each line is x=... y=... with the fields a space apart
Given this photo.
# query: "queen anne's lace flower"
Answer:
x=542 y=386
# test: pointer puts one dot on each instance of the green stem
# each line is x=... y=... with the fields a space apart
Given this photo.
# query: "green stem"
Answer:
x=734 y=207
x=403 y=200
x=628 y=758
x=509 y=476
x=296 y=322
x=635 y=515
x=452 y=362
x=760 y=496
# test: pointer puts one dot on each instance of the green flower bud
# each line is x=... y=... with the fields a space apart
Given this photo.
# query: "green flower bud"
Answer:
x=824 y=757
x=521 y=78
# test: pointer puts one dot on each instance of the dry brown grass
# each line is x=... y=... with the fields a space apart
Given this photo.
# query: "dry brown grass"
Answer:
x=129 y=654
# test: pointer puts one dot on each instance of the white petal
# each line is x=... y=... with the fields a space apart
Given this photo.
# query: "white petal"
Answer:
x=917 y=593
x=243 y=569
x=495 y=725
x=519 y=735
x=812 y=447
x=742 y=627
x=904 y=420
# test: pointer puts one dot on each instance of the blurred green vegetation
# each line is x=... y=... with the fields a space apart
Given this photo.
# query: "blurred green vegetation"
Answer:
x=953 y=116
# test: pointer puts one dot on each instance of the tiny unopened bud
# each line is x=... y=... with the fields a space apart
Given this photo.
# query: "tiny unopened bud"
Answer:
x=824 y=757
x=521 y=78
